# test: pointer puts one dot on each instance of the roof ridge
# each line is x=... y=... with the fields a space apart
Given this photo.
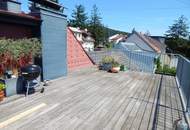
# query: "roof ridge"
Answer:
x=153 y=46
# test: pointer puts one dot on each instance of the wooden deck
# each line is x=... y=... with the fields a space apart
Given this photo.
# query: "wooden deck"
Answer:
x=97 y=100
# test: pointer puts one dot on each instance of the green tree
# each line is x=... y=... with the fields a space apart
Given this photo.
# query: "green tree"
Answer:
x=177 y=37
x=79 y=17
x=179 y=29
x=96 y=27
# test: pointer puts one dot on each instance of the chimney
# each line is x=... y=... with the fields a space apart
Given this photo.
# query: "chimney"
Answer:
x=10 y=5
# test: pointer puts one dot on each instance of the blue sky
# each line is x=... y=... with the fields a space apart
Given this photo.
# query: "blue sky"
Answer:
x=152 y=15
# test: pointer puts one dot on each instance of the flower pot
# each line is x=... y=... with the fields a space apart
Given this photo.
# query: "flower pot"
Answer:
x=2 y=95
x=115 y=69
x=106 y=66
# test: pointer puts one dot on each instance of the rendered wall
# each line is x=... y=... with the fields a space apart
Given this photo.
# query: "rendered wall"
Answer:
x=54 y=44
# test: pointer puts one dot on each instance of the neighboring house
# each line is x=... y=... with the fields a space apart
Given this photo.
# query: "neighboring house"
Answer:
x=161 y=39
x=131 y=46
x=77 y=32
x=141 y=42
x=84 y=37
x=117 y=38
x=88 y=43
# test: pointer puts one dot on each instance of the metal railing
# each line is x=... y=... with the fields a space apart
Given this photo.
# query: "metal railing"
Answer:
x=135 y=61
x=183 y=80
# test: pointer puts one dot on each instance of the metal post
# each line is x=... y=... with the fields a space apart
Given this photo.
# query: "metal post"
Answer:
x=130 y=60
x=27 y=89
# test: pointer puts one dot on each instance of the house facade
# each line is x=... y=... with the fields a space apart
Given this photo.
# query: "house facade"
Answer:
x=84 y=37
x=117 y=38
x=45 y=21
x=141 y=42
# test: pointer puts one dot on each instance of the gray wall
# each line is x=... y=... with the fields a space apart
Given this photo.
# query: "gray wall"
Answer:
x=133 y=38
x=14 y=7
x=11 y=6
x=54 y=40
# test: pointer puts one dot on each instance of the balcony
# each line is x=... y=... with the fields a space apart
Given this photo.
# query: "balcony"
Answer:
x=93 y=99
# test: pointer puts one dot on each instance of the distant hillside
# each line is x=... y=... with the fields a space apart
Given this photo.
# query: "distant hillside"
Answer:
x=112 y=32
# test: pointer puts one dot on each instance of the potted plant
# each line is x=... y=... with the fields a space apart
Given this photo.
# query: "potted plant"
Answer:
x=123 y=68
x=2 y=95
x=106 y=63
x=115 y=67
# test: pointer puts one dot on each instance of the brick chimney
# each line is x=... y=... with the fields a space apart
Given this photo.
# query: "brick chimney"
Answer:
x=10 y=5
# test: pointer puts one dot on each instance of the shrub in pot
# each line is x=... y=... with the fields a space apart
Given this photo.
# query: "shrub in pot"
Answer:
x=106 y=63
x=115 y=67
x=123 y=68
x=2 y=95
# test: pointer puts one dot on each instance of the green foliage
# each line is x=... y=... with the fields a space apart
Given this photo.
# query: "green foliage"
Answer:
x=165 y=69
x=158 y=63
x=179 y=45
x=21 y=46
x=177 y=37
x=2 y=86
x=115 y=64
x=107 y=60
x=110 y=60
x=79 y=17
x=123 y=68
x=95 y=27
x=109 y=45
x=17 y=53
x=94 y=24
x=179 y=28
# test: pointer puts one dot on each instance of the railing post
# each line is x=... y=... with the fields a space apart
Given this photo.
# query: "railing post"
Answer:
x=130 y=60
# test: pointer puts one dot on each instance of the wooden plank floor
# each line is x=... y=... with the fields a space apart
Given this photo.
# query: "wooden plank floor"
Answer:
x=170 y=108
x=97 y=100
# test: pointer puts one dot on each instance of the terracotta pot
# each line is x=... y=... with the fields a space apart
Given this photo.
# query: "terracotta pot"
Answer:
x=2 y=95
x=115 y=69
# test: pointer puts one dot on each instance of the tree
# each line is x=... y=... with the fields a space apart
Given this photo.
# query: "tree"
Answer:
x=79 y=17
x=96 y=27
x=177 y=37
x=179 y=29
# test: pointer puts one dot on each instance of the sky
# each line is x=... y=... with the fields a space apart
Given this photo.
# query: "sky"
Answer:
x=144 y=15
